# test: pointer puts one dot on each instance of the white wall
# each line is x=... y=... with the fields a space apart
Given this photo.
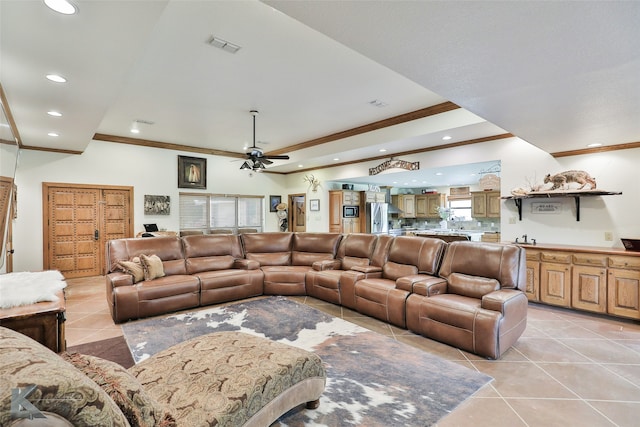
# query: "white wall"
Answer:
x=148 y=170
x=154 y=171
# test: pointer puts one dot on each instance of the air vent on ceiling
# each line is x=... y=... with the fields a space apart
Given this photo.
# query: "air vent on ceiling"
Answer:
x=223 y=44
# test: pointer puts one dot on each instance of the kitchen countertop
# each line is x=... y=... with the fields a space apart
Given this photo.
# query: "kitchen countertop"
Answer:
x=574 y=248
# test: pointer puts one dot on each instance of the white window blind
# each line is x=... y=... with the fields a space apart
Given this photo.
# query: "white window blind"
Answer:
x=208 y=212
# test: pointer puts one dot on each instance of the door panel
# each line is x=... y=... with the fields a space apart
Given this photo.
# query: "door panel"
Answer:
x=297 y=212
x=80 y=220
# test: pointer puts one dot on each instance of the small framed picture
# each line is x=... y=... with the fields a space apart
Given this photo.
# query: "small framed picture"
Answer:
x=192 y=172
x=273 y=202
x=157 y=205
x=314 y=204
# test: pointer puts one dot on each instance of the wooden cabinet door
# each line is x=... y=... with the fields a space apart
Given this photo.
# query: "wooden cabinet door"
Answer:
x=335 y=211
x=479 y=205
x=434 y=201
x=589 y=288
x=422 y=206
x=493 y=204
x=555 y=284
x=532 y=289
x=409 y=202
x=623 y=293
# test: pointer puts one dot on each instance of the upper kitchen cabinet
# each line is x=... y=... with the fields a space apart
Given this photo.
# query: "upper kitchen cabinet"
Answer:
x=351 y=198
x=407 y=204
x=375 y=197
x=485 y=204
x=427 y=205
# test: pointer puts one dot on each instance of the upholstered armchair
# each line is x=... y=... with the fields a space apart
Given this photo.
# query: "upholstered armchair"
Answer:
x=355 y=250
x=382 y=292
x=480 y=306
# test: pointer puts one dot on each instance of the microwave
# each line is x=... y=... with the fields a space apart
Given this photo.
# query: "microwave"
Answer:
x=350 y=211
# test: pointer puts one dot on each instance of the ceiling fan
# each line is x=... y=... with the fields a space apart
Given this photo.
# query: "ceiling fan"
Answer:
x=256 y=160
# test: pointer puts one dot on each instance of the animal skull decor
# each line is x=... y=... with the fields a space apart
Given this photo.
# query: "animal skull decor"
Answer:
x=312 y=181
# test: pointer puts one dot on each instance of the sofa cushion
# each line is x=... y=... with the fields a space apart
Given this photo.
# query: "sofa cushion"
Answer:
x=152 y=265
x=133 y=267
x=310 y=247
x=471 y=286
x=60 y=388
x=268 y=248
x=140 y=409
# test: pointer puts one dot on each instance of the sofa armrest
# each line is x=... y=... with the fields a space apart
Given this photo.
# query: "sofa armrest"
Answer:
x=348 y=281
x=368 y=270
x=430 y=287
x=119 y=278
x=246 y=264
x=506 y=301
x=327 y=264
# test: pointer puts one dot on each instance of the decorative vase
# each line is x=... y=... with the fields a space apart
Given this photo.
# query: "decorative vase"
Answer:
x=443 y=224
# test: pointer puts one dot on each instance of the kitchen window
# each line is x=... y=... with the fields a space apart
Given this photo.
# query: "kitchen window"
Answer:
x=461 y=209
x=209 y=212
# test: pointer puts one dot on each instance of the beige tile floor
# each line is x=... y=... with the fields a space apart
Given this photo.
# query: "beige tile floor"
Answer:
x=568 y=368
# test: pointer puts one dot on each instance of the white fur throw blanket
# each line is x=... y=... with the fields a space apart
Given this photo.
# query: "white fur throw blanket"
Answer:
x=24 y=288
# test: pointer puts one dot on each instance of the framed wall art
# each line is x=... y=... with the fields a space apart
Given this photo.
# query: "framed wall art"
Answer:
x=157 y=205
x=314 y=204
x=192 y=172
x=273 y=202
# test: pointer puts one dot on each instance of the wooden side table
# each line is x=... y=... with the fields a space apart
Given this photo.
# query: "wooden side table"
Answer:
x=43 y=321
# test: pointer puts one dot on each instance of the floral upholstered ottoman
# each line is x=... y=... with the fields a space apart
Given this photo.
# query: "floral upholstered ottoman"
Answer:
x=232 y=379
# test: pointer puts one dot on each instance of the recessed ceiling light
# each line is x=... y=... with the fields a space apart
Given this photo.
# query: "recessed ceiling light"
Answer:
x=56 y=78
x=446 y=137
x=300 y=166
x=595 y=144
x=336 y=159
x=439 y=173
x=62 y=6
x=382 y=150
x=135 y=130
x=53 y=134
x=54 y=113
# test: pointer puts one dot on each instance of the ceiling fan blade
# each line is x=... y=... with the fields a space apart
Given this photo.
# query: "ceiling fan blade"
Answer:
x=276 y=157
x=266 y=161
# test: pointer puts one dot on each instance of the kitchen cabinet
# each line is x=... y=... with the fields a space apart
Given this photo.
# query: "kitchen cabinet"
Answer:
x=335 y=211
x=350 y=225
x=407 y=204
x=485 y=204
x=603 y=281
x=427 y=205
x=532 y=288
x=351 y=198
x=338 y=224
x=623 y=286
x=375 y=197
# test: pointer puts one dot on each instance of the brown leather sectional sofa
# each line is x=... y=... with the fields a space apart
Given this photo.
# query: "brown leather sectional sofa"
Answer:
x=466 y=294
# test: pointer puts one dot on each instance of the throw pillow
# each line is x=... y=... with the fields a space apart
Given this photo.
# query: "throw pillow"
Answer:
x=140 y=409
x=133 y=267
x=152 y=266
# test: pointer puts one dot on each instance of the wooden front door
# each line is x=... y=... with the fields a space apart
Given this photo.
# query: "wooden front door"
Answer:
x=297 y=212
x=79 y=220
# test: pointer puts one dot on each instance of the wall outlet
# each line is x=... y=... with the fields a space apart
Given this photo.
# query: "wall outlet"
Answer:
x=608 y=236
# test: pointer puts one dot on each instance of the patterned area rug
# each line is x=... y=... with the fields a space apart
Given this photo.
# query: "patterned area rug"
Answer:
x=372 y=380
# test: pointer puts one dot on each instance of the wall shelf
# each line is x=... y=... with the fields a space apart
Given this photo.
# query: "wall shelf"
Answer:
x=556 y=194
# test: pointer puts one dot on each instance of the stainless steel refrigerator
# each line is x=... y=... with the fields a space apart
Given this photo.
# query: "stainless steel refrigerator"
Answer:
x=377 y=218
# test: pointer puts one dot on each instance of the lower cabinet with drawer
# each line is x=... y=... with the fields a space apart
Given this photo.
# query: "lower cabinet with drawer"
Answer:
x=598 y=282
